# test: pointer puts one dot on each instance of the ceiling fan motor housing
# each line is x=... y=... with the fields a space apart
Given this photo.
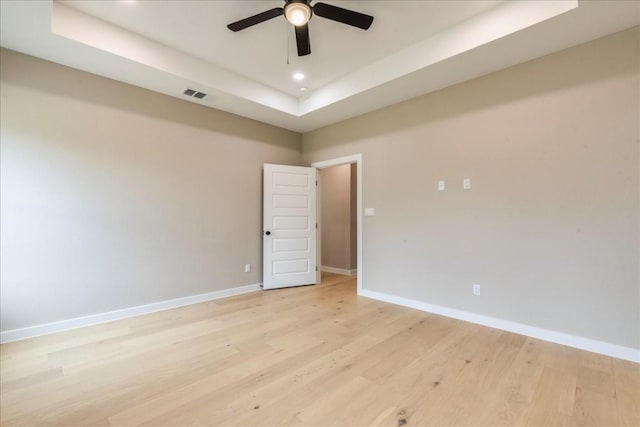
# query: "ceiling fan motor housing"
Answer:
x=298 y=12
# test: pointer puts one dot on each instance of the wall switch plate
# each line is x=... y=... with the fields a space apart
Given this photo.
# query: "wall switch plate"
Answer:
x=247 y=268
x=369 y=212
x=476 y=289
x=466 y=183
x=440 y=185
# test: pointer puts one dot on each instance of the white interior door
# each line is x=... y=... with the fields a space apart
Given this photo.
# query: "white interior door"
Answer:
x=289 y=226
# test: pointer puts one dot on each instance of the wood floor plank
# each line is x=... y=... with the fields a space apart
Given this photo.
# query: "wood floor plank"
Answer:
x=593 y=408
x=313 y=356
x=554 y=398
x=597 y=381
x=627 y=382
x=515 y=388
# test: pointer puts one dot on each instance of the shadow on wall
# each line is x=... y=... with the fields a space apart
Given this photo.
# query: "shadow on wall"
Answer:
x=575 y=66
x=71 y=83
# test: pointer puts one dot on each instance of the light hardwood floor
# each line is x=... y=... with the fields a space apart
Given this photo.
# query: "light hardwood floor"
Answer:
x=308 y=356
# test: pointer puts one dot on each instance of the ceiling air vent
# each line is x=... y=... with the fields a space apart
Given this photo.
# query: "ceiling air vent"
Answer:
x=194 y=93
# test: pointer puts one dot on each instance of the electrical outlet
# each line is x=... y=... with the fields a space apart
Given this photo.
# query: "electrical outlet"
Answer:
x=247 y=268
x=476 y=289
x=466 y=184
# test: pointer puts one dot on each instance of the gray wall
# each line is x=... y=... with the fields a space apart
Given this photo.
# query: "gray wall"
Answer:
x=550 y=228
x=114 y=196
x=337 y=217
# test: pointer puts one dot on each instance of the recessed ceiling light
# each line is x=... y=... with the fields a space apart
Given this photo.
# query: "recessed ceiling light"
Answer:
x=303 y=89
x=298 y=76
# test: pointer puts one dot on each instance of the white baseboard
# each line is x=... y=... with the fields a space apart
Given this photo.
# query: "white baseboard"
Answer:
x=595 y=346
x=342 y=271
x=94 y=319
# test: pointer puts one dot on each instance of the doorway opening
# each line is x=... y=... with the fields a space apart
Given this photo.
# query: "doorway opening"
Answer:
x=338 y=219
x=339 y=211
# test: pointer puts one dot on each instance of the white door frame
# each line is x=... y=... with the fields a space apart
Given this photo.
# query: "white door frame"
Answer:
x=347 y=160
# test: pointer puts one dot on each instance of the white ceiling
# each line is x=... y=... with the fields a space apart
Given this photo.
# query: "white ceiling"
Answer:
x=260 y=53
x=412 y=48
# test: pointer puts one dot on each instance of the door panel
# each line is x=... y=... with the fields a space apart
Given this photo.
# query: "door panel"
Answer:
x=289 y=239
x=288 y=245
x=290 y=223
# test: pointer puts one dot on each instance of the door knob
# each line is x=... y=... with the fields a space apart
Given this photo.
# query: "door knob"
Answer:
x=268 y=233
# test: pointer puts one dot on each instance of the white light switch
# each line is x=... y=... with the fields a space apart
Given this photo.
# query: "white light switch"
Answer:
x=440 y=185
x=369 y=212
x=466 y=183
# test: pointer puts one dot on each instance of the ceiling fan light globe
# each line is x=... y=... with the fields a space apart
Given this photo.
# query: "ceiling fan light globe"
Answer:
x=297 y=13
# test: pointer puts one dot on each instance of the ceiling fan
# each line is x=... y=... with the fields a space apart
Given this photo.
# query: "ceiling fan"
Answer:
x=298 y=13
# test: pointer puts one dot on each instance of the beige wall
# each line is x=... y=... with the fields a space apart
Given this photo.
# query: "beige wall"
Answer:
x=337 y=215
x=114 y=196
x=550 y=228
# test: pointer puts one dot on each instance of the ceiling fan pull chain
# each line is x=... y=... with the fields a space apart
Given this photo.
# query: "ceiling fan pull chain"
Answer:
x=288 y=47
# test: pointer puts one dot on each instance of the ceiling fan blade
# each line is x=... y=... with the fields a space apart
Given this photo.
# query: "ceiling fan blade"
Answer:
x=255 y=19
x=346 y=16
x=302 y=40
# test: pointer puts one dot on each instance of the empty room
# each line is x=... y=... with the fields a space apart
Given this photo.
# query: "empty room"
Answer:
x=320 y=213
